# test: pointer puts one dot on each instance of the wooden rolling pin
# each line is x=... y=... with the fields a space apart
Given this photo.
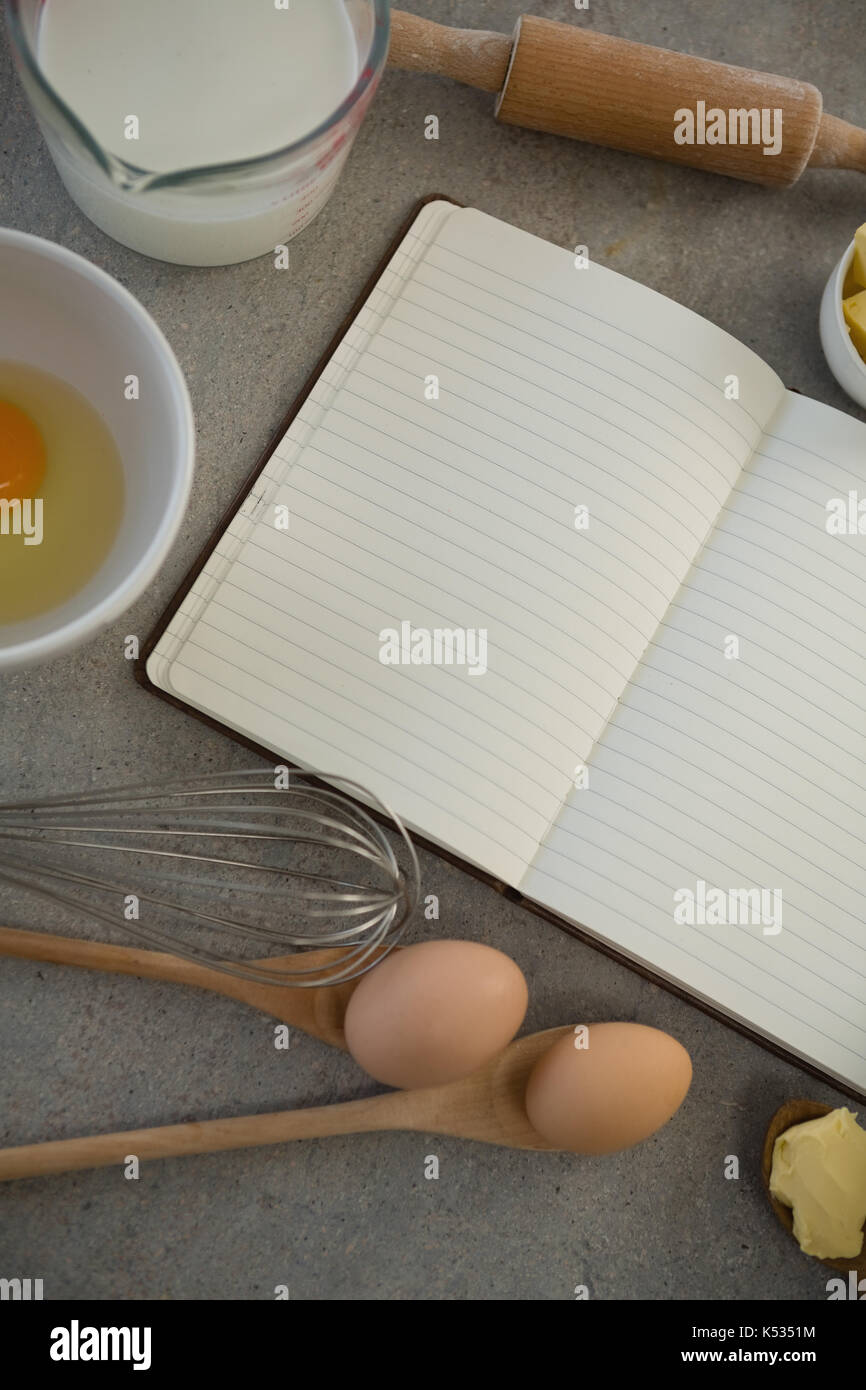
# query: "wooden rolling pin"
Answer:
x=571 y=81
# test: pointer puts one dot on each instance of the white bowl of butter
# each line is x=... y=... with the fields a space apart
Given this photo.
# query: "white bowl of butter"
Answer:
x=842 y=320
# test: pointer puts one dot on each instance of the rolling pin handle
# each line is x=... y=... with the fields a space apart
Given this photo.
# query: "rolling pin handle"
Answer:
x=839 y=145
x=479 y=58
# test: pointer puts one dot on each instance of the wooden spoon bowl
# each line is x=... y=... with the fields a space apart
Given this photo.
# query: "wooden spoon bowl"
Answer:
x=796 y=1112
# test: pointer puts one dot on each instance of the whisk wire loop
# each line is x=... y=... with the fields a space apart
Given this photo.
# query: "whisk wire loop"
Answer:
x=116 y=854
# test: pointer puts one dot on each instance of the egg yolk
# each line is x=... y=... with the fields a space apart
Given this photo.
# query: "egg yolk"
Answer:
x=22 y=454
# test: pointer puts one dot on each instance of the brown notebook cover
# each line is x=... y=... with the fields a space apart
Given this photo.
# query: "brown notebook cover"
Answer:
x=271 y=756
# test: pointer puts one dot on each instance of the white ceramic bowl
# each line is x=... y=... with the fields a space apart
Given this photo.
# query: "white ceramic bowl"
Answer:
x=843 y=359
x=61 y=314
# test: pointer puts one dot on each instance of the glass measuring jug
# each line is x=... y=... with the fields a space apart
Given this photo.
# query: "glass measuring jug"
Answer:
x=210 y=213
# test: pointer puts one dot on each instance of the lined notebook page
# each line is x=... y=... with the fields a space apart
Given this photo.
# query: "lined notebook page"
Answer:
x=504 y=390
x=746 y=772
x=397 y=272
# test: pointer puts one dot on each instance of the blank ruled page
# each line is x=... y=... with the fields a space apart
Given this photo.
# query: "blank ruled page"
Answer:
x=524 y=455
x=746 y=771
x=398 y=270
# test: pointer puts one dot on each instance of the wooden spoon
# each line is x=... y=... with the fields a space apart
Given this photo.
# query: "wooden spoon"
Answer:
x=488 y=1106
x=319 y=1011
x=796 y=1112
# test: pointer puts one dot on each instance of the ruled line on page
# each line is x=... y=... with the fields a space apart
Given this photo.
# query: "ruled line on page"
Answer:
x=385 y=294
x=525 y=742
x=428 y=311
x=735 y=766
x=428 y=602
x=419 y=760
x=743 y=983
x=508 y=523
x=347 y=755
x=489 y=568
x=418 y=732
x=704 y=517
x=666 y=534
x=613 y=874
x=718 y=835
x=820 y=956
x=537 y=489
x=758 y=420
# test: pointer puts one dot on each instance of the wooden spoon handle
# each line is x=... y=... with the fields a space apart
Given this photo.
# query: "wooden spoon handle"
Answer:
x=96 y=955
x=205 y=1136
x=318 y=1011
x=477 y=57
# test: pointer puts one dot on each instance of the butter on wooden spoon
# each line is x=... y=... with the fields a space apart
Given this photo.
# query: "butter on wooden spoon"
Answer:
x=821 y=1170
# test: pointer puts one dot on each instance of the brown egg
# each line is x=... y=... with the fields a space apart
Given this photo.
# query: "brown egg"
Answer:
x=617 y=1089
x=435 y=1012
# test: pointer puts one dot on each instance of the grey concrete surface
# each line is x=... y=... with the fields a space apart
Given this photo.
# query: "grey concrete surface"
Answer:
x=355 y=1218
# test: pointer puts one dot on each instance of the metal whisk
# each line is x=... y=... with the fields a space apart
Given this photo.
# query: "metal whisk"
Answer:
x=185 y=865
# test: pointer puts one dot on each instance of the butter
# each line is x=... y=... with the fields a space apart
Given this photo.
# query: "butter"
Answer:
x=819 y=1169
x=858 y=265
x=854 y=309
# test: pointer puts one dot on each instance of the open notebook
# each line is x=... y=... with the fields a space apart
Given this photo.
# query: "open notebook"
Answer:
x=630 y=509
